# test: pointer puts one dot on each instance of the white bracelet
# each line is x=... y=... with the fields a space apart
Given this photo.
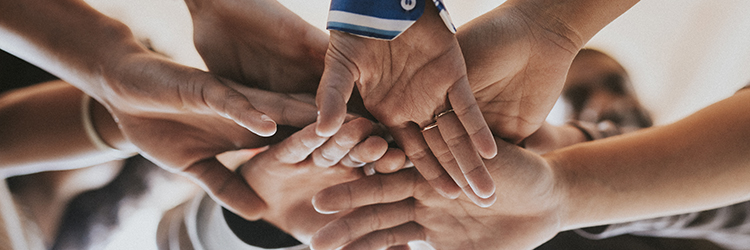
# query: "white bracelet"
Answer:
x=94 y=137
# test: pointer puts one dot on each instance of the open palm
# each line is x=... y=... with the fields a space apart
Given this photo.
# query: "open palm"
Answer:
x=517 y=68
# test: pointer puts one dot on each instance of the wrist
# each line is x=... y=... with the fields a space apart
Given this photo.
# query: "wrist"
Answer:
x=574 y=21
x=69 y=39
x=563 y=191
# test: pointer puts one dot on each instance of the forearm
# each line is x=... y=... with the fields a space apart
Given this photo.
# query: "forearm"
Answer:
x=67 y=38
x=43 y=128
x=565 y=25
x=698 y=163
x=576 y=20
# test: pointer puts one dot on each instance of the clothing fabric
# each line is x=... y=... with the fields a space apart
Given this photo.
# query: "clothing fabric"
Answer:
x=728 y=227
x=380 y=19
x=17 y=232
x=207 y=227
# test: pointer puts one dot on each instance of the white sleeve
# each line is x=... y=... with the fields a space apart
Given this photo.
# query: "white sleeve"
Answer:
x=208 y=229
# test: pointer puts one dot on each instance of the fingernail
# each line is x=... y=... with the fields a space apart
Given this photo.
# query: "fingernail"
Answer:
x=447 y=195
x=369 y=169
x=321 y=211
x=265 y=118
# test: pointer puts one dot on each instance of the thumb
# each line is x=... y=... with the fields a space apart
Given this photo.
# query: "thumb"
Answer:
x=334 y=91
x=232 y=104
x=226 y=188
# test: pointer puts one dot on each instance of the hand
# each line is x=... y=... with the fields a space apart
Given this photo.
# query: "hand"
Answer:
x=549 y=137
x=516 y=67
x=289 y=173
x=404 y=83
x=397 y=208
x=186 y=141
x=259 y=43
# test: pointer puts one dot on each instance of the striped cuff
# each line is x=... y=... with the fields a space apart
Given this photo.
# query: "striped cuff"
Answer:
x=380 y=19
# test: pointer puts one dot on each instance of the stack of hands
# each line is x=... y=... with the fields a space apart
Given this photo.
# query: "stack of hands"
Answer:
x=457 y=106
x=447 y=113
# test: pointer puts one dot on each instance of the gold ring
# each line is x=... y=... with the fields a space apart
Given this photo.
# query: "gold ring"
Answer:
x=443 y=113
x=431 y=126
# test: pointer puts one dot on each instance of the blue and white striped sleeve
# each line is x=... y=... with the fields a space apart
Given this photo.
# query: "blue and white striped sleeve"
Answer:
x=381 y=19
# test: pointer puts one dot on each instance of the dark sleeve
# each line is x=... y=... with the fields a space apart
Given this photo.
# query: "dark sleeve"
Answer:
x=258 y=233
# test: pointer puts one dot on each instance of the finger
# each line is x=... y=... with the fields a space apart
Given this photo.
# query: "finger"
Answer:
x=282 y=108
x=233 y=105
x=370 y=150
x=400 y=247
x=443 y=154
x=298 y=146
x=479 y=201
x=367 y=191
x=349 y=161
x=363 y=221
x=471 y=164
x=411 y=140
x=400 y=235
x=226 y=188
x=441 y=150
x=350 y=134
x=334 y=91
x=465 y=105
x=393 y=160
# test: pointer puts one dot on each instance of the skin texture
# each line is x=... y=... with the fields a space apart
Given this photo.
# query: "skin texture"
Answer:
x=397 y=208
x=178 y=117
x=289 y=173
x=31 y=143
x=518 y=54
x=697 y=163
x=405 y=83
x=259 y=43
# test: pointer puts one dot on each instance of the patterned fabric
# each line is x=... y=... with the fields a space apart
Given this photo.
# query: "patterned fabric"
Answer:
x=380 y=19
x=728 y=227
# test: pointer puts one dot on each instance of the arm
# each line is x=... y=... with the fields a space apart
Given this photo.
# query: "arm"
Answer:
x=518 y=54
x=100 y=56
x=697 y=163
x=46 y=123
x=178 y=117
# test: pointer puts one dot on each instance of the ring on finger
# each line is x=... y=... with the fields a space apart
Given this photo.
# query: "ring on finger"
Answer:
x=448 y=111
x=430 y=126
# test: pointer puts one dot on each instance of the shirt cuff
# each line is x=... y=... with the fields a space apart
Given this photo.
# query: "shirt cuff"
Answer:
x=380 y=19
x=208 y=229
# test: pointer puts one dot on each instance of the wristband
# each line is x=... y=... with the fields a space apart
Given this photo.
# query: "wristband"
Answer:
x=94 y=137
